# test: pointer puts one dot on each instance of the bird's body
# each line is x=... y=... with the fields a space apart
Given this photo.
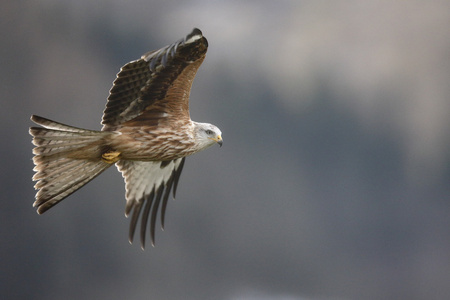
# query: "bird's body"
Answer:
x=146 y=144
x=147 y=132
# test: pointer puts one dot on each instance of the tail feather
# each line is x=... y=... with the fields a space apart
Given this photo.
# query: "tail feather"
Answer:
x=53 y=192
x=54 y=169
x=67 y=170
x=49 y=124
x=66 y=159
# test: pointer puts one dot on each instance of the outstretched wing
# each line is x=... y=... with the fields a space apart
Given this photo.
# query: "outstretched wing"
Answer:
x=146 y=184
x=156 y=86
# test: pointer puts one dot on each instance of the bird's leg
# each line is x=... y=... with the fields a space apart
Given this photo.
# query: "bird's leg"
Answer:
x=111 y=157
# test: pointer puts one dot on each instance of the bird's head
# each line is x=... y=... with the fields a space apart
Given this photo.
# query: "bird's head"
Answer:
x=207 y=135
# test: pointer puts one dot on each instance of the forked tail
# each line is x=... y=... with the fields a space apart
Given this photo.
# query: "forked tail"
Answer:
x=66 y=159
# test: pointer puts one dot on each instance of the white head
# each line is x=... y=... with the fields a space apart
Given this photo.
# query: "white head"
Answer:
x=207 y=135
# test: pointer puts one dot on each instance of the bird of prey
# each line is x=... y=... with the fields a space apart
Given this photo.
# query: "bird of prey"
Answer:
x=147 y=133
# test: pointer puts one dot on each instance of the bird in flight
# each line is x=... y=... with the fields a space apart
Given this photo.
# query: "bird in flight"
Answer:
x=147 y=133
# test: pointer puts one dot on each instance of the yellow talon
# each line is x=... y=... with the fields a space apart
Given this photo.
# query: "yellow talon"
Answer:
x=111 y=157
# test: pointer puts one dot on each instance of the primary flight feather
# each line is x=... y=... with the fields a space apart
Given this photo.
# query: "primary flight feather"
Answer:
x=147 y=133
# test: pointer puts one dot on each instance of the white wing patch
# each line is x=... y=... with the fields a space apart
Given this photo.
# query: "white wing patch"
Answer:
x=193 y=38
x=146 y=184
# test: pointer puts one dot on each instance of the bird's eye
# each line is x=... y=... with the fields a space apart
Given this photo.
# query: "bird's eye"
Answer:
x=209 y=132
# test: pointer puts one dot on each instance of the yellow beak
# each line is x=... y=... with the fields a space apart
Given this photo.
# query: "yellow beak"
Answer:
x=218 y=140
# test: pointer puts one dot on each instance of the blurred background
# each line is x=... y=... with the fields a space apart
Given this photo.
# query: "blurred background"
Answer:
x=333 y=181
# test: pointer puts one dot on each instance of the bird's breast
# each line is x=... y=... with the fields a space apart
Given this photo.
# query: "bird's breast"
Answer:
x=153 y=144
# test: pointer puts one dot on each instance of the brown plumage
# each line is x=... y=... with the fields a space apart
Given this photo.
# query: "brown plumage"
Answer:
x=147 y=132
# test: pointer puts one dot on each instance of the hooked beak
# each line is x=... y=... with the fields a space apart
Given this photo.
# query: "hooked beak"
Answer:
x=218 y=140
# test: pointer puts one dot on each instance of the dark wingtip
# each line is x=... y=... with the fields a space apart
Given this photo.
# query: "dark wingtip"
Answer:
x=196 y=31
x=195 y=35
x=133 y=222
x=145 y=214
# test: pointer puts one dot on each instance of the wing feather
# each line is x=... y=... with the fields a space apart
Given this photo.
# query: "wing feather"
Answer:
x=157 y=85
x=146 y=184
x=145 y=214
x=156 y=202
